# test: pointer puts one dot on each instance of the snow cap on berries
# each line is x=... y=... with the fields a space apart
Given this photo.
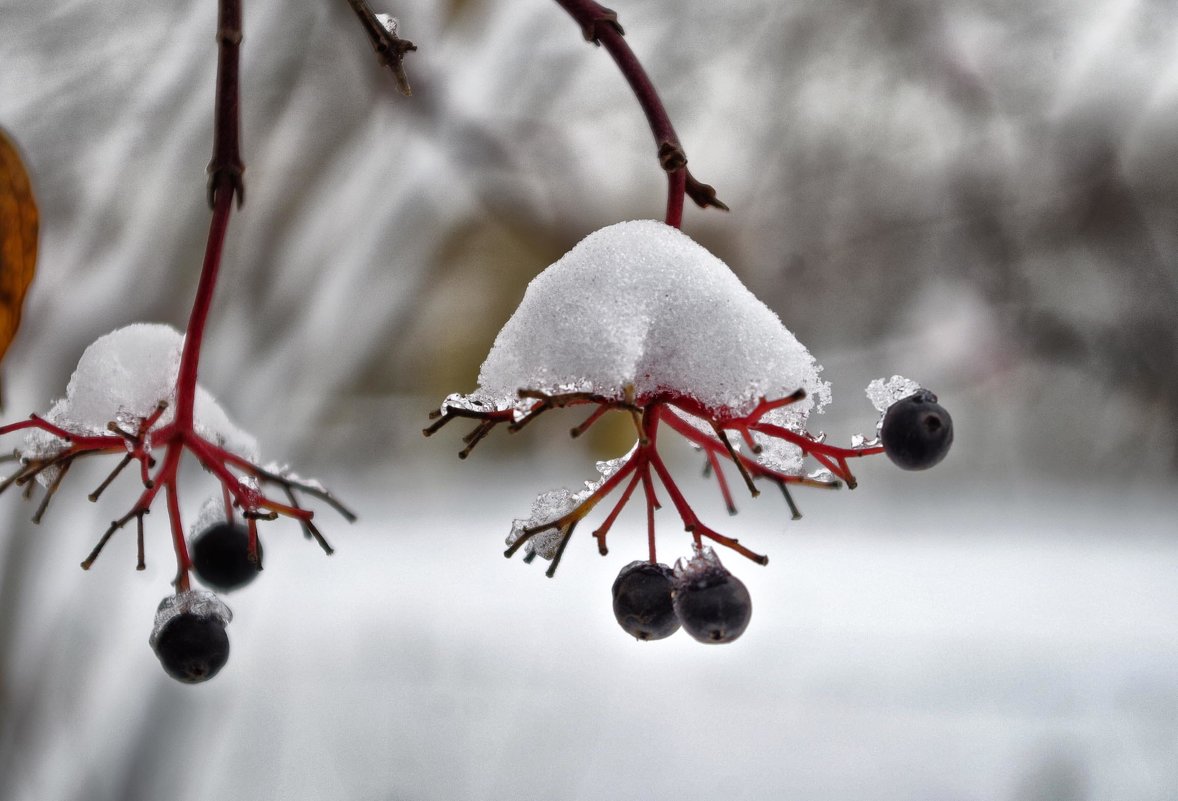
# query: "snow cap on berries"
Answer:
x=640 y=303
x=121 y=377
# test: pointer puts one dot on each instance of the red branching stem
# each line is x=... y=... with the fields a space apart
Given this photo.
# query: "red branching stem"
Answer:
x=603 y=529
x=704 y=427
x=691 y=521
x=714 y=463
x=598 y=413
x=79 y=442
x=677 y=186
x=651 y=504
x=255 y=556
x=227 y=502
x=190 y=356
x=180 y=434
x=168 y=479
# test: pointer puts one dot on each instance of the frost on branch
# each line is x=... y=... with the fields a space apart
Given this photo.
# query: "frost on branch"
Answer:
x=639 y=319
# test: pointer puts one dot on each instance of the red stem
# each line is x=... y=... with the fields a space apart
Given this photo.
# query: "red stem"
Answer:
x=600 y=25
x=167 y=478
x=225 y=170
x=190 y=357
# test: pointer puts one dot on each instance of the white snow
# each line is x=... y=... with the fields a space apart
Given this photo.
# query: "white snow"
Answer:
x=389 y=22
x=883 y=393
x=640 y=303
x=121 y=377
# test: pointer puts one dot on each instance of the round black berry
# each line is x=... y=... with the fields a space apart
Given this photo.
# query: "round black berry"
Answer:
x=192 y=649
x=916 y=431
x=642 y=601
x=220 y=556
x=189 y=635
x=712 y=604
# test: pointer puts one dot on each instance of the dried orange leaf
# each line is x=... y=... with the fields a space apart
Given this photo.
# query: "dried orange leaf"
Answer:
x=18 y=238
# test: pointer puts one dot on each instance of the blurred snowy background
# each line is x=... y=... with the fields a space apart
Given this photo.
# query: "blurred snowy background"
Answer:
x=978 y=195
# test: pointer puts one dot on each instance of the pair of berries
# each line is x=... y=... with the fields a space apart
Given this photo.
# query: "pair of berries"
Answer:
x=190 y=638
x=652 y=600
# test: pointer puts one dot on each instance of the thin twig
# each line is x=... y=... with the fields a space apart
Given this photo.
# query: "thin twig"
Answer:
x=390 y=49
x=600 y=26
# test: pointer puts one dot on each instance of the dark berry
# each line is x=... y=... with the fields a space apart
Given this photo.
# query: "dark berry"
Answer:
x=193 y=649
x=220 y=556
x=917 y=431
x=712 y=604
x=642 y=601
x=189 y=636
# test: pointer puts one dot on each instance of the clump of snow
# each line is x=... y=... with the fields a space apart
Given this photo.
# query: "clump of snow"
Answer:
x=201 y=603
x=884 y=392
x=121 y=377
x=641 y=304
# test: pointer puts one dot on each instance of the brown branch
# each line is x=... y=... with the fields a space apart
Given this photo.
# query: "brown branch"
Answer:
x=601 y=27
x=390 y=49
x=226 y=167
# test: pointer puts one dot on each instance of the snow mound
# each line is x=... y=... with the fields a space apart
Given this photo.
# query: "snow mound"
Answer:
x=121 y=377
x=640 y=303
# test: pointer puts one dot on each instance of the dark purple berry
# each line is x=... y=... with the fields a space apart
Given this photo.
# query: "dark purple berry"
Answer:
x=642 y=601
x=220 y=557
x=189 y=636
x=713 y=605
x=917 y=431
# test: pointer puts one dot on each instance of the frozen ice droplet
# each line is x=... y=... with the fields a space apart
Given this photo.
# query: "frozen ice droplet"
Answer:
x=388 y=22
x=199 y=603
x=703 y=565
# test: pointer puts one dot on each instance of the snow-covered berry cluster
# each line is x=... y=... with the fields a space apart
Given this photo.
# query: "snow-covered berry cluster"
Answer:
x=640 y=319
x=127 y=398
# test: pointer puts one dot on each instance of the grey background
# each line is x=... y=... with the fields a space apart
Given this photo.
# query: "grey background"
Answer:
x=977 y=195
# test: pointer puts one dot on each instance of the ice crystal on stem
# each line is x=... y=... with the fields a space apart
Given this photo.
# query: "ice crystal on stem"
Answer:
x=641 y=320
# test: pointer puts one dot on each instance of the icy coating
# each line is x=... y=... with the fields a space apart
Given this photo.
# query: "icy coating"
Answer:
x=701 y=569
x=212 y=513
x=640 y=303
x=553 y=504
x=201 y=603
x=121 y=377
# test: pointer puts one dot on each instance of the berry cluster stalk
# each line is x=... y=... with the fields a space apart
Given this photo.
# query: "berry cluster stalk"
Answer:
x=241 y=480
x=600 y=26
x=704 y=428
